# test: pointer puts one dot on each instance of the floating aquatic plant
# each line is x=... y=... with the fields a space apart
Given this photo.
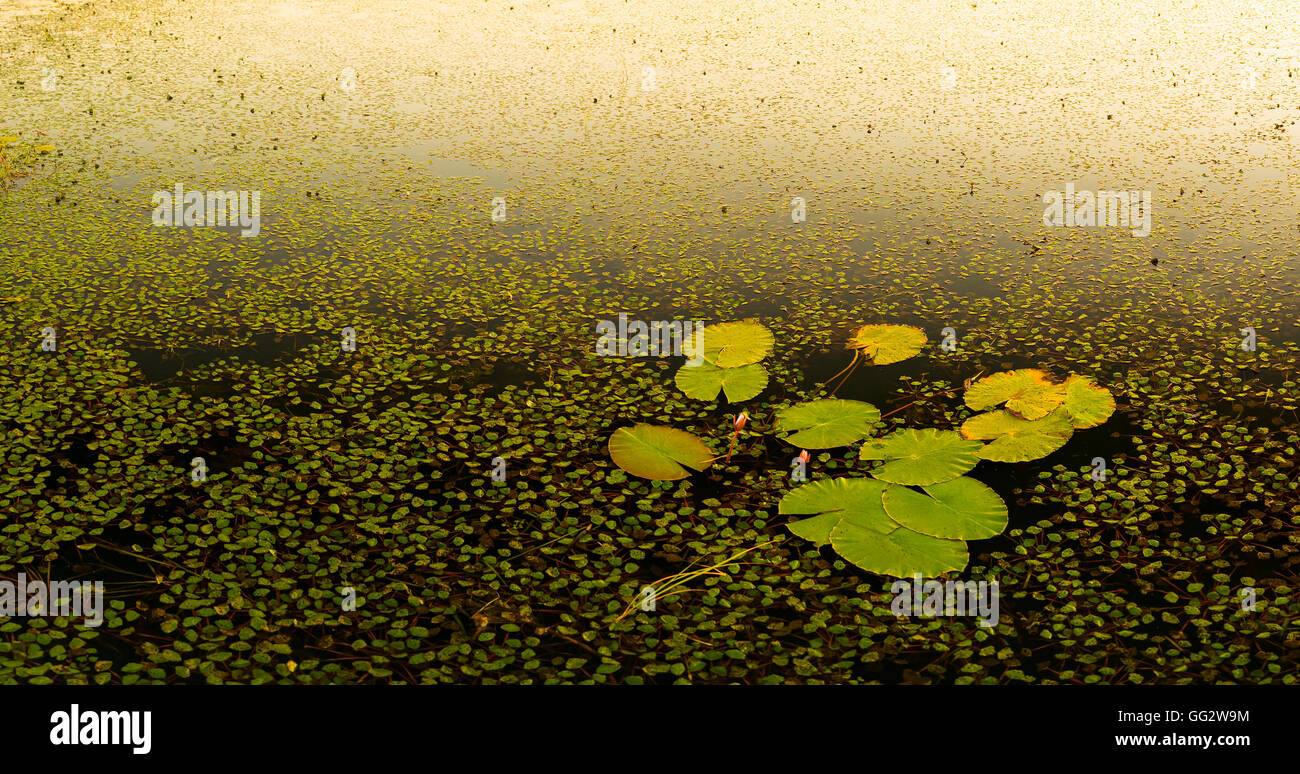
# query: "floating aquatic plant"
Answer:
x=881 y=524
x=921 y=457
x=656 y=452
x=885 y=344
x=1040 y=415
x=961 y=509
x=1013 y=439
x=1028 y=393
x=826 y=423
x=730 y=345
x=849 y=514
x=705 y=381
x=881 y=345
x=726 y=360
x=1087 y=404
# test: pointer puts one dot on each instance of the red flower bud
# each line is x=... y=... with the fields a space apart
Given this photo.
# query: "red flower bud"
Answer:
x=741 y=418
x=804 y=456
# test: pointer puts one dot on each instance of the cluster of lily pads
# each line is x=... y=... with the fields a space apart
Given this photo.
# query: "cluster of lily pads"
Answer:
x=917 y=509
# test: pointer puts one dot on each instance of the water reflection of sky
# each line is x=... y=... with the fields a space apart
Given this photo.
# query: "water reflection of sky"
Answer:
x=921 y=116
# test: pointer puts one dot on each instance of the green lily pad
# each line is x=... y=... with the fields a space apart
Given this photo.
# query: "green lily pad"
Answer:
x=886 y=344
x=823 y=424
x=1087 y=404
x=656 y=452
x=962 y=509
x=730 y=345
x=705 y=381
x=831 y=499
x=900 y=552
x=921 y=457
x=1028 y=393
x=850 y=515
x=1016 y=440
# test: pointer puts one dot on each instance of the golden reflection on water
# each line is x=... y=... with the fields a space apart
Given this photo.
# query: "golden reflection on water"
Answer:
x=967 y=110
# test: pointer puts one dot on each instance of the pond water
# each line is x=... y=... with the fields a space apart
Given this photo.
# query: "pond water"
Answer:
x=470 y=187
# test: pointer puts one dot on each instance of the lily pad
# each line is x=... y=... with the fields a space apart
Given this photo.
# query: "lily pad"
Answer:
x=850 y=515
x=1028 y=393
x=921 y=457
x=886 y=344
x=963 y=509
x=705 y=381
x=832 y=499
x=1087 y=404
x=730 y=345
x=1016 y=440
x=656 y=452
x=823 y=424
x=900 y=552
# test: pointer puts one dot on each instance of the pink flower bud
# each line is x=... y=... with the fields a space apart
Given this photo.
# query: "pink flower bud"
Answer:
x=741 y=418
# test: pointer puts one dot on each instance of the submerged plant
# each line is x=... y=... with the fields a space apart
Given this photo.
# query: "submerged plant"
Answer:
x=676 y=583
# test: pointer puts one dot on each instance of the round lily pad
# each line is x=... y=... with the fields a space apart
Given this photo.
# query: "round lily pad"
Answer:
x=899 y=552
x=830 y=500
x=823 y=424
x=656 y=452
x=1087 y=404
x=886 y=344
x=705 y=381
x=963 y=509
x=730 y=345
x=850 y=515
x=1016 y=440
x=922 y=456
x=1028 y=393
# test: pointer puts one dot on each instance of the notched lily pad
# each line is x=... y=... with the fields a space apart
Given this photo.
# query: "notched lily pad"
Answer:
x=899 y=553
x=850 y=515
x=922 y=456
x=824 y=424
x=961 y=509
x=1088 y=404
x=831 y=500
x=885 y=344
x=1028 y=393
x=731 y=344
x=705 y=381
x=657 y=452
x=1013 y=439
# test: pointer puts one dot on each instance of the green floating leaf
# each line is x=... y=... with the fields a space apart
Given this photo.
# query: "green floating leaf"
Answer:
x=730 y=345
x=656 y=452
x=1087 y=404
x=963 y=509
x=886 y=344
x=850 y=515
x=921 y=457
x=705 y=381
x=1028 y=393
x=900 y=553
x=1016 y=440
x=823 y=424
x=832 y=499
